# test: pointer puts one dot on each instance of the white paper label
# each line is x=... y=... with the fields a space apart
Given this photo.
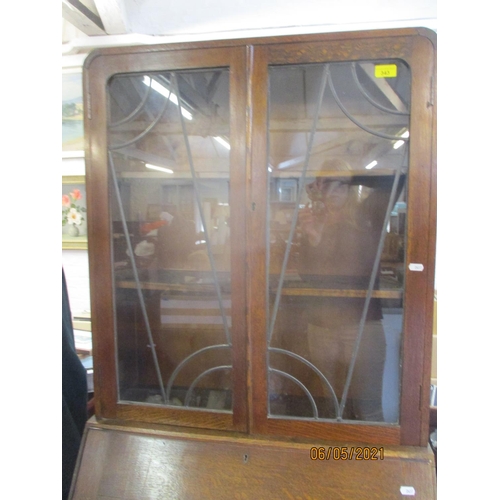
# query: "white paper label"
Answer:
x=416 y=267
x=407 y=491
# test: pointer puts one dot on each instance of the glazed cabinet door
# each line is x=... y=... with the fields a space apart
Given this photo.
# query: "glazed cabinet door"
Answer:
x=343 y=238
x=166 y=177
x=262 y=234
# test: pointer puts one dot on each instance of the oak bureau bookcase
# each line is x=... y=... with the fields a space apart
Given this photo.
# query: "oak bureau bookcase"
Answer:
x=261 y=239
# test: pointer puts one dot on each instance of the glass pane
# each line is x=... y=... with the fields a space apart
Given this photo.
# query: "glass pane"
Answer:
x=169 y=176
x=337 y=166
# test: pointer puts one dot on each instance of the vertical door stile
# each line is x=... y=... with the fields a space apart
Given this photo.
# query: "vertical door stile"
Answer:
x=237 y=197
x=256 y=235
x=421 y=238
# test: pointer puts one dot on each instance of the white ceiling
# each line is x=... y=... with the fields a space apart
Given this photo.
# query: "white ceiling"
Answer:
x=90 y=23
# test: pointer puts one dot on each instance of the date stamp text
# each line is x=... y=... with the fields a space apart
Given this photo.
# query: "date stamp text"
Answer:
x=346 y=453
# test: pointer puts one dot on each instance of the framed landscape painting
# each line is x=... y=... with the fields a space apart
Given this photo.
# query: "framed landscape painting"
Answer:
x=72 y=112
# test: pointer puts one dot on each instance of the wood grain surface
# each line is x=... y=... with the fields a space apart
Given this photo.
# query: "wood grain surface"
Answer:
x=131 y=465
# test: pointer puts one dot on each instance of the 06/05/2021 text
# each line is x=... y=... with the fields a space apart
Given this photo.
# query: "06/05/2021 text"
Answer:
x=346 y=453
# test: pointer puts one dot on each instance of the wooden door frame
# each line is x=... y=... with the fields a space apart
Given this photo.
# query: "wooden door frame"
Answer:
x=418 y=51
x=248 y=59
x=99 y=68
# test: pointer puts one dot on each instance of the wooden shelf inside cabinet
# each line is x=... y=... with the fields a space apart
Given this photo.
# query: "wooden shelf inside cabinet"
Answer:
x=166 y=287
x=288 y=291
x=381 y=172
x=329 y=292
x=174 y=280
x=295 y=286
x=357 y=174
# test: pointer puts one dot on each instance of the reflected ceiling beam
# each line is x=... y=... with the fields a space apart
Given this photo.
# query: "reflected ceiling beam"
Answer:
x=112 y=15
x=193 y=98
x=337 y=124
x=194 y=87
x=204 y=126
x=185 y=174
x=381 y=150
x=139 y=87
x=205 y=169
x=137 y=154
x=384 y=87
x=212 y=86
x=200 y=126
x=315 y=150
x=82 y=18
x=203 y=166
x=376 y=153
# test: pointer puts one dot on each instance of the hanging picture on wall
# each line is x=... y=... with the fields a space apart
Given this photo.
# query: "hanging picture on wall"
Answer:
x=72 y=112
x=74 y=213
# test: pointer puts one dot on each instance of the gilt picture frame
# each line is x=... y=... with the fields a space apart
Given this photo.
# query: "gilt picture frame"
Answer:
x=74 y=213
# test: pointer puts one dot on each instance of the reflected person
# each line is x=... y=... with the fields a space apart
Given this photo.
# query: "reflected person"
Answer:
x=340 y=235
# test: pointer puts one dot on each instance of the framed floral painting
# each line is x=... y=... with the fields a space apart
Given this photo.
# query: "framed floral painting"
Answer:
x=74 y=212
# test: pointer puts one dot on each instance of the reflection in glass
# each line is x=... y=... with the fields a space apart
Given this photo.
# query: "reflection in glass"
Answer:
x=337 y=162
x=169 y=141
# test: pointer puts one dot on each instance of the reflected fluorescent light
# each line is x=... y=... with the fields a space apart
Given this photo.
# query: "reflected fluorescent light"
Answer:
x=166 y=93
x=399 y=143
x=223 y=141
x=160 y=169
x=371 y=165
